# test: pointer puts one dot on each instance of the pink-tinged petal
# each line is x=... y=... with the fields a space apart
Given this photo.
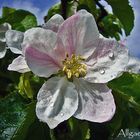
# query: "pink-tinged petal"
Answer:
x=96 y=103
x=19 y=65
x=57 y=101
x=54 y=22
x=46 y=38
x=133 y=65
x=109 y=61
x=41 y=64
x=60 y=50
x=78 y=34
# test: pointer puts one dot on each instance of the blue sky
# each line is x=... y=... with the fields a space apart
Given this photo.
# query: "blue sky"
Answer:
x=42 y=4
x=40 y=8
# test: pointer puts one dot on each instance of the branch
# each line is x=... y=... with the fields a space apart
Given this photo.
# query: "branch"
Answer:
x=103 y=11
x=64 y=8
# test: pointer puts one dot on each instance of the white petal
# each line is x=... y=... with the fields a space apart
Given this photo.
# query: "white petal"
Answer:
x=45 y=38
x=3 y=28
x=133 y=65
x=40 y=63
x=78 y=34
x=110 y=60
x=19 y=65
x=2 y=49
x=96 y=102
x=14 y=40
x=57 y=101
x=54 y=22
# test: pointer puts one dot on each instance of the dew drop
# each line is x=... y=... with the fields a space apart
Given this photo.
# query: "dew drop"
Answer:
x=62 y=114
x=51 y=104
x=96 y=81
x=111 y=55
x=102 y=71
x=112 y=76
x=49 y=98
x=15 y=39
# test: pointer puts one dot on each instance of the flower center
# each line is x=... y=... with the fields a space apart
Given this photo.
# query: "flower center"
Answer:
x=74 y=67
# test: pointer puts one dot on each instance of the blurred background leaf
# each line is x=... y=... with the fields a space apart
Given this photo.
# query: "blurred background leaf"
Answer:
x=19 y=19
x=127 y=97
x=16 y=115
x=24 y=86
x=124 y=12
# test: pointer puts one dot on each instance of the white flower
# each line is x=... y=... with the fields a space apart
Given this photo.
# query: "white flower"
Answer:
x=3 y=28
x=83 y=63
x=14 y=39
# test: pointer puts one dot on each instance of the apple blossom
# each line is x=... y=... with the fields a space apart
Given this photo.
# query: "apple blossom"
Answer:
x=14 y=40
x=81 y=62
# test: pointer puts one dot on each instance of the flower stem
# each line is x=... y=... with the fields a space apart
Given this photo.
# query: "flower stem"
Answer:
x=64 y=8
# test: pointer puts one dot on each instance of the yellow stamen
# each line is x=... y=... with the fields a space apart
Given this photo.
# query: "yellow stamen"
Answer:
x=69 y=74
x=74 y=67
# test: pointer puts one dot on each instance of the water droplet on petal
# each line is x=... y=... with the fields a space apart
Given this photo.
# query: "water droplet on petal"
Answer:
x=51 y=104
x=62 y=114
x=115 y=75
x=49 y=98
x=95 y=81
x=112 y=76
x=111 y=55
x=102 y=71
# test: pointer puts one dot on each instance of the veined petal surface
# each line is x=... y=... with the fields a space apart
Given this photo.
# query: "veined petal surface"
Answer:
x=57 y=101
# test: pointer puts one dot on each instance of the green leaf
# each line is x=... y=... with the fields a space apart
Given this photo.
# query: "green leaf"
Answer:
x=19 y=19
x=127 y=97
x=79 y=129
x=16 y=116
x=89 y=5
x=111 y=26
x=124 y=12
x=6 y=11
x=24 y=86
x=125 y=117
x=26 y=122
x=56 y=9
x=71 y=7
x=128 y=85
x=38 y=131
